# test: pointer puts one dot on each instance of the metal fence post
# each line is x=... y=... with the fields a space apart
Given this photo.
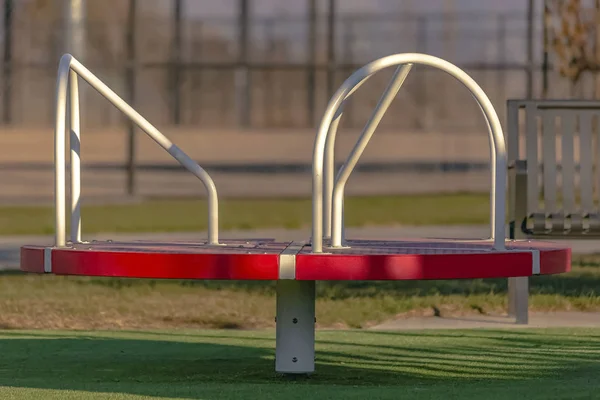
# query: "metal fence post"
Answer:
x=130 y=84
x=311 y=58
x=530 y=67
x=75 y=40
x=331 y=68
x=242 y=73
x=7 y=60
x=176 y=71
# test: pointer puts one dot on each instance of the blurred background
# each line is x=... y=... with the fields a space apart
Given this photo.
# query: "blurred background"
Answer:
x=241 y=86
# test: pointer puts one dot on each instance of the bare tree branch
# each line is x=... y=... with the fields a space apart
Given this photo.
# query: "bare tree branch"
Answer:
x=572 y=28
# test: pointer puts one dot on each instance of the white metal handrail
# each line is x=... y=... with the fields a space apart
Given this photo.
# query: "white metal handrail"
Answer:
x=324 y=145
x=329 y=160
x=68 y=71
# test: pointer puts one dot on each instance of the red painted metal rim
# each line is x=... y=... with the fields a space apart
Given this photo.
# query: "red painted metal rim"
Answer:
x=429 y=266
x=193 y=261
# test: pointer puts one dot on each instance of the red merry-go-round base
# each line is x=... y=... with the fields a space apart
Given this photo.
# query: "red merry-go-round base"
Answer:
x=259 y=259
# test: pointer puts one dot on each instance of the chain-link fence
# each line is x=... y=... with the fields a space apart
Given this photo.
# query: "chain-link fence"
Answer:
x=189 y=73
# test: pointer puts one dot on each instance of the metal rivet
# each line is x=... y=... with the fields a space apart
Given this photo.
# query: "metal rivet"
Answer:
x=295 y=320
x=294 y=359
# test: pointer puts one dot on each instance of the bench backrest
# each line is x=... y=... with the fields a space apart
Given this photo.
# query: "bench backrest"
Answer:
x=555 y=144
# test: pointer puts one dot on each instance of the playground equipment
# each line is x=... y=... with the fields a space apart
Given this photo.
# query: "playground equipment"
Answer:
x=553 y=162
x=294 y=265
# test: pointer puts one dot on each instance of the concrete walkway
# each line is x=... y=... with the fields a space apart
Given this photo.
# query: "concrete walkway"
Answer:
x=9 y=246
x=536 y=320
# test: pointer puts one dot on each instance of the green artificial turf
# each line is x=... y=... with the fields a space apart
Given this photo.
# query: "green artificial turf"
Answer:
x=462 y=364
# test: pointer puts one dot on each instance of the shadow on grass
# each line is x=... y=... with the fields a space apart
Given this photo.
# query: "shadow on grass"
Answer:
x=186 y=365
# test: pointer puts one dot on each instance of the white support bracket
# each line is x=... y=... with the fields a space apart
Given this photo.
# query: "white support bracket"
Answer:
x=287 y=260
x=295 y=326
x=295 y=317
x=48 y=260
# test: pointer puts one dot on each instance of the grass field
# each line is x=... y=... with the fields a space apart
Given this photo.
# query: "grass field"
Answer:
x=475 y=364
x=148 y=339
x=60 y=302
x=191 y=215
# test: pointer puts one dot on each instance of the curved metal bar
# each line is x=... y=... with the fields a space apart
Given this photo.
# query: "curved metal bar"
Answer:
x=380 y=109
x=75 y=143
x=328 y=172
x=329 y=166
x=62 y=85
x=67 y=64
x=497 y=145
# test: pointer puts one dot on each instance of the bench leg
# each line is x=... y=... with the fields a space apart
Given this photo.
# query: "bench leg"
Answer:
x=518 y=299
x=295 y=327
x=518 y=287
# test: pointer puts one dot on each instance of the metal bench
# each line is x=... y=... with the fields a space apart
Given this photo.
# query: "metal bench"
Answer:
x=554 y=181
